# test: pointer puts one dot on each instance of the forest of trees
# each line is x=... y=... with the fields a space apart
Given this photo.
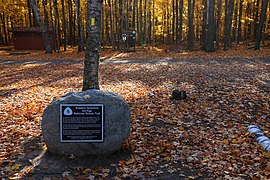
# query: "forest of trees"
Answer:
x=190 y=24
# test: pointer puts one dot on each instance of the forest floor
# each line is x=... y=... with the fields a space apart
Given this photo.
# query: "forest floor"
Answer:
x=201 y=137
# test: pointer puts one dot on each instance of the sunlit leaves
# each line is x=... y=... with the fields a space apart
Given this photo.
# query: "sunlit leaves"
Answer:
x=206 y=132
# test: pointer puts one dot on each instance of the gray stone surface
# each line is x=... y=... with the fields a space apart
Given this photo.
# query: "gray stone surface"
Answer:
x=116 y=123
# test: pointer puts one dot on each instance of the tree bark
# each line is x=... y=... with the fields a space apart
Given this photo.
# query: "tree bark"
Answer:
x=111 y=24
x=91 y=62
x=153 y=25
x=116 y=21
x=46 y=17
x=43 y=27
x=29 y=13
x=1 y=36
x=5 y=39
x=168 y=23
x=239 y=36
x=140 y=24
x=107 y=30
x=210 y=35
x=261 y=25
x=79 y=20
x=56 y=15
x=149 y=23
x=181 y=20
x=228 y=24
x=70 y=19
x=190 y=25
x=64 y=25
x=51 y=14
x=235 y=21
x=204 y=24
x=173 y=21
x=218 y=24
x=256 y=18
x=177 y=22
x=134 y=13
x=145 y=20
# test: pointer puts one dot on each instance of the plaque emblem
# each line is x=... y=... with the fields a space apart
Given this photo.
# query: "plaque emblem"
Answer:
x=68 y=111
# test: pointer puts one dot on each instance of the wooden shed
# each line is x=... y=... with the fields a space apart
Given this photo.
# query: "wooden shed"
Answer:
x=30 y=38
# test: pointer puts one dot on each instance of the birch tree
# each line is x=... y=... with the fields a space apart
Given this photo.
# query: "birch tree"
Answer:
x=91 y=62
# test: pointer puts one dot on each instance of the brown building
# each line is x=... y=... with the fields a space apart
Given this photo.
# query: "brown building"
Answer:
x=30 y=38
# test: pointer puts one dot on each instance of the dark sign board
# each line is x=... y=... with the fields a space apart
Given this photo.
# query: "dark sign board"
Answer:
x=81 y=122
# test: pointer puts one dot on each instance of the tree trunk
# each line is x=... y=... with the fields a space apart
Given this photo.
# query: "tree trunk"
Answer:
x=111 y=24
x=261 y=25
x=218 y=24
x=74 y=26
x=173 y=21
x=29 y=13
x=246 y=22
x=79 y=20
x=167 y=16
x=162 y=28
x=198 y=23
x=102 y=43
x=91 y=62
x=43 y=27
x=140 y=25
x=51 y=14
x=210 y=36
x=70 y=19
x=116 y=21
x=181 y=12
x=5 y=39
x=134 y=13
x=190 y=46
x=127 y=15
x=228 y=24
x=256 y=18
x=56 y=15
x=107 y=24
x=235 y=21
x=177 y=22
x=46 y=17
x=64 y=25
x=122 y=16
x=153 y=24
x=204 y=24
x=149 y=23
x=1 y=37
x=239 y=36
x=145 y=20
x=8 y=29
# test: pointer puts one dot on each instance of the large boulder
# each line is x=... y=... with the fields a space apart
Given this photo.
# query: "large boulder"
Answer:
x=116 y=123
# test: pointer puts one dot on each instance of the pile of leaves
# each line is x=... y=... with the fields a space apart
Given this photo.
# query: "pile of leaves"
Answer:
x=202 y=136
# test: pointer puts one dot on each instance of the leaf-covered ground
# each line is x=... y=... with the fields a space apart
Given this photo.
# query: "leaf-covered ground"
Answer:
x=203 y=136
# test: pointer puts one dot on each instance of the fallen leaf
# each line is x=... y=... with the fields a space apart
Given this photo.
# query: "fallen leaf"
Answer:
x=66 y=174
x=16 y=167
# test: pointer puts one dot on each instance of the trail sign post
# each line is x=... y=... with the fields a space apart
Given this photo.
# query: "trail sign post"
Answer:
x=129 y=40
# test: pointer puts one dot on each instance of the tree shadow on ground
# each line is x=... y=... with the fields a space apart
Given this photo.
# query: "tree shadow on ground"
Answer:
x=13 y=77
x=202 y=60
x=39 y=163
x=196 y=71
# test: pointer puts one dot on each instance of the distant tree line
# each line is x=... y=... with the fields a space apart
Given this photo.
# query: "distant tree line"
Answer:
x=191 y=24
